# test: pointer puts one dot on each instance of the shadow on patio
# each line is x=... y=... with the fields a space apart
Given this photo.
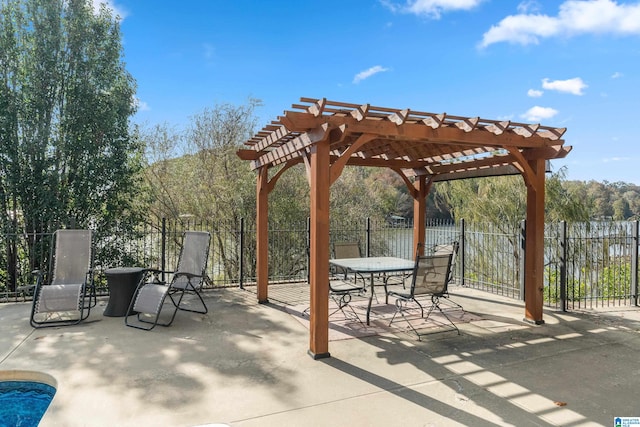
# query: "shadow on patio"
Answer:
x=294 y=299
x=245 y=364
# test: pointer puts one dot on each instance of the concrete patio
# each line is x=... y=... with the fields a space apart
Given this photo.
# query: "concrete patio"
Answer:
x=246 y=364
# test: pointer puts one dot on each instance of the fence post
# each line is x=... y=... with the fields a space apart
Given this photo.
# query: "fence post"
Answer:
x=634 y=262
x=163 y=247
x=523 y=254
x=563 y=265
x=241 y=257
x=368 y=248
x=462 y=250
x=12 y=258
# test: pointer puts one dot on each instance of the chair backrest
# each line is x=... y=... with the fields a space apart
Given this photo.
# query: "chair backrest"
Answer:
x=346 y=250
x=194 y=253
x=451 y=248
x=431 y=275
x=72 y=256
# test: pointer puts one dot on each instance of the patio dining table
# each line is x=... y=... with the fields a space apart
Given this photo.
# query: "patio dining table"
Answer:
x=372 y=266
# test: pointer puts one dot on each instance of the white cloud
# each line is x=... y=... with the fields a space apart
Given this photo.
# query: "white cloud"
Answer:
x=537 y=114
x=431 y=8
x=117 y=10
x=141 y=105
x=616 y=159
x=573 y=86
x=574 y=17
x=616 y=75
x=362 y=75
x=528 y=6
x=534 y=93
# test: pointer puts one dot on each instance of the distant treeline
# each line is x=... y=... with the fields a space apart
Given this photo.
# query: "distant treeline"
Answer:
x=600 y=200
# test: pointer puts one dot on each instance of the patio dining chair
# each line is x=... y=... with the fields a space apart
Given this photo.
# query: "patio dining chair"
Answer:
x=64 y=294
x=430 y=278
x=342 y=292
x=346 y=250
x=444 y=249
x=190 y=275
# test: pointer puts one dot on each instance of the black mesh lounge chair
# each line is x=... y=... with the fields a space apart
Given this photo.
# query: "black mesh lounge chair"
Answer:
x=188 y=278
x=65 y=294
x=430 y=278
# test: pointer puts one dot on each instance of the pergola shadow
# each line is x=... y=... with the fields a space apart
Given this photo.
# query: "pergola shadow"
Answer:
x=489 y=366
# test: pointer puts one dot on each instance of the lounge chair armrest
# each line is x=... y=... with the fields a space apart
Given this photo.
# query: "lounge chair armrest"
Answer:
x=187 y=275
x=155 y=274
x=157 y=271
x=39 y=276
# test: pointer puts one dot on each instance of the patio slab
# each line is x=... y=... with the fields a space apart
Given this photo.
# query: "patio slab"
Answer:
x=246 y=364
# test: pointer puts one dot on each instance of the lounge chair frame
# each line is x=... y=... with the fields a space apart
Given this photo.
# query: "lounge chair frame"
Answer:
x=190 y=275
x=67 y=286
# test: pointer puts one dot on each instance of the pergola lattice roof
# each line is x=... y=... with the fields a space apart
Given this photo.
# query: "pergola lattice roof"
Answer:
x=418 y=143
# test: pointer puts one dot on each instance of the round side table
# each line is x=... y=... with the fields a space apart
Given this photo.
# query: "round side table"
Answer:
x=122 y=283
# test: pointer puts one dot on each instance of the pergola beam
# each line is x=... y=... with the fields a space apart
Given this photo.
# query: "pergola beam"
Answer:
x=302 y=122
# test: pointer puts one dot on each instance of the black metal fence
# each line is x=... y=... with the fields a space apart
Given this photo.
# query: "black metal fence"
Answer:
x=586 y=265
x=591 y=265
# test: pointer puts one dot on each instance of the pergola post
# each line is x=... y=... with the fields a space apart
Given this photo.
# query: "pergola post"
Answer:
x=420 y=212
x=534 y=246
x=319 y=250
x=262 y=234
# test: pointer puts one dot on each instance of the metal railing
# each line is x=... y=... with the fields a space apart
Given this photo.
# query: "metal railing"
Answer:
x=590 y=265
x=586 y=265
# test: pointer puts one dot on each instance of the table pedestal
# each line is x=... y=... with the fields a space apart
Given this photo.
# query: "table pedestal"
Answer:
x=122 y=283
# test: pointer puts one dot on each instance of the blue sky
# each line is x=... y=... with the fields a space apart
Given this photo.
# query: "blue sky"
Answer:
x=573 y=64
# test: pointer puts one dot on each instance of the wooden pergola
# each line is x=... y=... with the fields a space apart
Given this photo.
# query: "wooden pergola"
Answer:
x=422 y=148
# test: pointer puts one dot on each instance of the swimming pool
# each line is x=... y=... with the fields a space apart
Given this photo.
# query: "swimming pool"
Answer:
x=24 y=397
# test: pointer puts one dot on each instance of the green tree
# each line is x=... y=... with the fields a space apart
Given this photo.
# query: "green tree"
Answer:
x=564 y=201
x=600 y=195
x=621 y=210
x=67 y=150
x=225 y=188
x=163 y=145
x=501 y=202
x=196 y=173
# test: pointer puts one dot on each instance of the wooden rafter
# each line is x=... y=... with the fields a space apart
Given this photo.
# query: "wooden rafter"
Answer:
x=400 y=136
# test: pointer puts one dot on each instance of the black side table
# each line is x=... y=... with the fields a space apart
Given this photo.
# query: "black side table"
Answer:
x=122 y=283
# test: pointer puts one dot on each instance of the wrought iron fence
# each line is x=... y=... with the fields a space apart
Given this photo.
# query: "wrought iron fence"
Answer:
x=590 y=265
x=493 y=258
x=586 y=265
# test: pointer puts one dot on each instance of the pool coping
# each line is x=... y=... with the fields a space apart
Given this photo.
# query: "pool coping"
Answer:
x=23 y=375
